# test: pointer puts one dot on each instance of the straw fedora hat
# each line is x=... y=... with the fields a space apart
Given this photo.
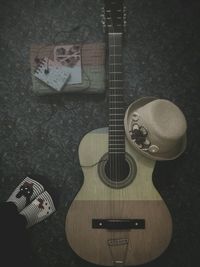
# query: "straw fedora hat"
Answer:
x=156 y=128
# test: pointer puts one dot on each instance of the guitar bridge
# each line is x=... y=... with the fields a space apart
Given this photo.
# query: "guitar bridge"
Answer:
x=118 y=224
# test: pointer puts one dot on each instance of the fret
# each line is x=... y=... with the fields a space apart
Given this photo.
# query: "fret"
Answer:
x=114 y=141
x=111 y=27
x=111 y=126
x=112 y=146
x=121 y=112
x=122 y=102
x=115 y=55
x=113 y=112
x=115 y=80
x=116 y=108
x=116 y=88
x=118 y=127
x=120 y=149
x=110 y=130
x=115 y=70
x=111 y=72
x=115 y=145
x=116 y=131
x=116 y=114
x=117 y=73
x=117 y=105
x=117 y=152
x=116 y=120
x=115 y=33
x=116 y=149
x=112 y=109
x=116 y=95
x=111 y=135
x=121 y=141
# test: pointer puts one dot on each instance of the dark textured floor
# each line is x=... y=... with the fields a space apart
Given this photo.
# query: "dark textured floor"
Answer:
x=41 y=134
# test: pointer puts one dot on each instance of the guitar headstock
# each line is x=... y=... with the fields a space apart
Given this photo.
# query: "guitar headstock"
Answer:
x=114 y=16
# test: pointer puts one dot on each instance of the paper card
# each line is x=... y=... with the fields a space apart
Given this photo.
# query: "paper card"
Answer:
x=52 y=73
x=70 y=57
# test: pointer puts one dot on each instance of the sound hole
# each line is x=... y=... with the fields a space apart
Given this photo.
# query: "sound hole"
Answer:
x=117 y=168
x=117 y=175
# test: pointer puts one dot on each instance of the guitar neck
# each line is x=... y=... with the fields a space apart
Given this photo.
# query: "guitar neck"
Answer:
x=116 y=95
x=114 y=21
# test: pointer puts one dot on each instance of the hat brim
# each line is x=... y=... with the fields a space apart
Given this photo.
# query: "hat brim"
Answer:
x=170 y=155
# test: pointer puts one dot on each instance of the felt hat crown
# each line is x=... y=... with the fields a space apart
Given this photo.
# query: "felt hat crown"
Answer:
x=156 y=128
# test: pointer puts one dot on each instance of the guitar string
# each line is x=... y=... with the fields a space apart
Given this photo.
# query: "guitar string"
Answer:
x=117 y=164
x=111 y=98
x=112 y=159
x=114 y=111
x=118 y=160
x=119 y=157
x=113 y=171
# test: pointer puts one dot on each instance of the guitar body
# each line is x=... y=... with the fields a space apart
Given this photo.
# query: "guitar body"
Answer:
x=97 y=200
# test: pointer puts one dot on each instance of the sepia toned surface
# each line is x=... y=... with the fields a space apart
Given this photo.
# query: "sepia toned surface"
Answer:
x=41 y=135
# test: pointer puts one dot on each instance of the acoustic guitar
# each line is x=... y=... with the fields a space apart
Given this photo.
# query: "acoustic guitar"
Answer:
x=118 y=218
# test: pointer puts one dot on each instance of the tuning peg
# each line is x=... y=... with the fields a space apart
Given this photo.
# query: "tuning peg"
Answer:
x=103 y=10
x=125 y=23
x=103 y=19
x=124 y=11
x=103 y=22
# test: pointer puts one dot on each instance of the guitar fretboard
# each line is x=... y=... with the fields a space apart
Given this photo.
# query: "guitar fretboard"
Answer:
x=116 y=96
